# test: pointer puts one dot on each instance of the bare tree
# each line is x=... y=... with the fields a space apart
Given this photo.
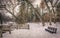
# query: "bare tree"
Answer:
x=52 y=5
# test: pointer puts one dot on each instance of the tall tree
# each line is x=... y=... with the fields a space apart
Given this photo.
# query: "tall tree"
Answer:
x=52 y=6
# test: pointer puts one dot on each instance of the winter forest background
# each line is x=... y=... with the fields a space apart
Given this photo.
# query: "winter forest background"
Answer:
x=30 y=10
x=16 y=16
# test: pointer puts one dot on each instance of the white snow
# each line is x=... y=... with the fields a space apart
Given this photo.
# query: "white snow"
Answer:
x=36 y=31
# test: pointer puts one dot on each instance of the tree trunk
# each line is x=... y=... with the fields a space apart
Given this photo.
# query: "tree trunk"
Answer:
x=50 y=18
x=43 y=18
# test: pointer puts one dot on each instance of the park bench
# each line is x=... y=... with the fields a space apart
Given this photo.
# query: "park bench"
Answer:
x=51 y=29
x=5 y=28
x=23 y=26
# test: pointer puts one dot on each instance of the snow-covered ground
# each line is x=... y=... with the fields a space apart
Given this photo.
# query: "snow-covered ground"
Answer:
x=36 y=31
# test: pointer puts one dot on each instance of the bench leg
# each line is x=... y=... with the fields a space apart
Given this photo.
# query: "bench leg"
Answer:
x=28 y=27
x=9 y=31
x=1 y=35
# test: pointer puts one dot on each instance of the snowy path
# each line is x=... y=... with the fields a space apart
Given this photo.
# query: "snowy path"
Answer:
x=36 y=31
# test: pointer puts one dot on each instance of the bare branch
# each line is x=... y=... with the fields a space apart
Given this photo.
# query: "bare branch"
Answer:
x=36 y=11
x=56 y=3
x=12 y=13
